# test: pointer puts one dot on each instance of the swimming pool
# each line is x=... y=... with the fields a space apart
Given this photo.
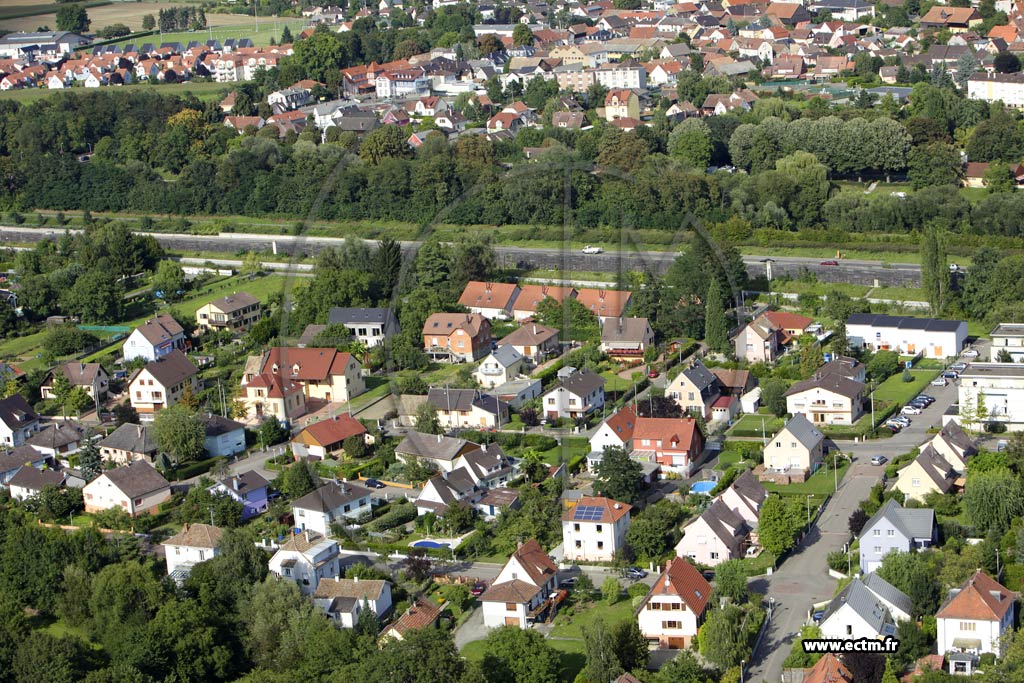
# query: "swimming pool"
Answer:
x=703 y=487
x=429 y=544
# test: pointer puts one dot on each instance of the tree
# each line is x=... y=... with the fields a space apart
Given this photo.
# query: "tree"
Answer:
x=202 y=506
x=125 y=596
x=611 y=590
x=517 y=656
x=840 y=342
x=883 y=364
x=1006 y=63
x=857 y=521
x=618 y=475
x=778 y=525
x=427 y=420
x=935 y=163
x=272 y=432
x=522 y=35
x=72 y=18
x=993 y=499
x=125 y=413
x=148 y=22
x=934 y=269
x=773 y=395
x=286 y=36
x=602 y=660
x=78 y=400
x=731 y=581
x=722 y=638
x=998 y=178
x=915 y=575
x=251 y=264
x=866 y=667
x=43 y=657
x=630 y=645
x=387 y=265
x=490 y=43
x=61 y=389
x=298 y=479
x=716 y=329
x=386 y=142
x=690 y=141
x=180 y=434
x=684 y=668
x=811 y=357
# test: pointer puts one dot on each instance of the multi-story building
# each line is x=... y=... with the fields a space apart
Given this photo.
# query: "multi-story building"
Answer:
x=997 y=87
x=161 y=383
x=992 y=392
x=306 y=558
x=235 y=312
x=371 y=326
x=674 y=609
x=927 y=336
x=457 y=337
x=594 y=529
x=1008 y=337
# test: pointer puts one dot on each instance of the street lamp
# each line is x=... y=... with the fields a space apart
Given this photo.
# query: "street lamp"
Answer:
x=809 y=496
x=743 y=663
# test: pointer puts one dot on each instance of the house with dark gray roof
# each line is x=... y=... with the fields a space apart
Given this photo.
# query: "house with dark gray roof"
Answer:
x=796 y=450
x=248 y=488
x=930 y=337
x=29 y=482
x=575 y=395
x=718 y=535
x=57 y=440
x=856 y=612
x=333 y=502
x=160 y=383
x=895 y=528
x=435 y=450
x=695 y=390
x=928 y=473
x=135 y=488
x=224 y=437
x=468 y=408
x=342 y=600
x=371 y=326
x=827 y=399
x=129 y=442
x=899 y=604
x=22 y=456
x=17 y=421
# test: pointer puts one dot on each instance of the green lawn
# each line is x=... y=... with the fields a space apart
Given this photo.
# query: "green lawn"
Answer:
x=571 y=626
x=756 y=566
x=895 y=390
x=376 y=387
x=201 y=89
x=751 y=425
x=821 y=483
x=729 y=458
x=572 y=447
x=270 y=27
x=60 y=629
x=615 y=383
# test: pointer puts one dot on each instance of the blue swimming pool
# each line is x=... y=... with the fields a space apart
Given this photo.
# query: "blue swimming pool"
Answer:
x=429 y=544
x=703 y=487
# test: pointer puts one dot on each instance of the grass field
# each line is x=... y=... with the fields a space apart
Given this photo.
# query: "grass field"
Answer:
x=752 y=423
x=203 y=90
x=821 y=484
x=895 y=390
x=12 y=10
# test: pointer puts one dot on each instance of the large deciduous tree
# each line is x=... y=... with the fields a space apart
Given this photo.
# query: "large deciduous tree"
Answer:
x=180 y=433
x=618 y=475
x=934 y=270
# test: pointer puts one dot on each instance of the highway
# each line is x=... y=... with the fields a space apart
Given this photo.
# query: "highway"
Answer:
x=871 y=273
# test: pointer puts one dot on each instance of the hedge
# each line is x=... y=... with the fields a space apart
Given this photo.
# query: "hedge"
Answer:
x=193 y=469
x=400 y=514
x=510 y=440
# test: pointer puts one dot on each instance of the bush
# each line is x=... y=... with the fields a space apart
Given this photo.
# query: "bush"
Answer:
x=638 y=590
x=611 y=590
x=399 y=514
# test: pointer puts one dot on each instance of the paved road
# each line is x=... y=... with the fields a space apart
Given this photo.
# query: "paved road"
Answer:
x=568 y=259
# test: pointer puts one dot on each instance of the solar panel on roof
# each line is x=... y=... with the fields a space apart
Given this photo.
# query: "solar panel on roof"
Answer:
x=588 y=513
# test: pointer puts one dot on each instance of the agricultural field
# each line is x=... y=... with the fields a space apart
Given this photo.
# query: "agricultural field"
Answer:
x=203 y=90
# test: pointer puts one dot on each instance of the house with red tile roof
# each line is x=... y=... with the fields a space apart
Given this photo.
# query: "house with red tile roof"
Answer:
x=674 y=609
x=594 y=529
x=520 y=591
x=457 y=337
x=490 y=299
x=828 y=669
x=973 y=621
x=525 y=304
x=616 y=431
x=325 y=438
x=604 y=303
x=324 y=373
x=674 y=443
x=421 y=614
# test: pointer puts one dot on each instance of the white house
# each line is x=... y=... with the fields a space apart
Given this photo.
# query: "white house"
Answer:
x=29 y=481
x=135 y=488
x=797 y=448
x=827 y=399
x=332 y=502
x=997 y=87
x=492 y=300
x=160 y=383
x=718 y=535
x=856 y=612
x=998 y=388
x=674 y=609
x=467 y=408
x=616 y=431
x=17 y=421
x=501 y=365
x=371 y=326
x=343 y=599
x=1007 y=337
x=928 y=336
x=745 y=497
x=521 y=589
x=594 y=529
x=305 y=559
x=973 y=620
x=577 y=394
x=154 y=339
x=195 y=543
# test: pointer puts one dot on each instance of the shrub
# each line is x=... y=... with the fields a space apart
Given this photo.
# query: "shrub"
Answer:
x=611 y=590
x=399 y=514
x=638 y=590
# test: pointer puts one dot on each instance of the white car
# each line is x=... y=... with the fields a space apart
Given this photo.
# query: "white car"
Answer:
x=911 y=410
x=969 y=353
x=592 y=250
x=939 y=382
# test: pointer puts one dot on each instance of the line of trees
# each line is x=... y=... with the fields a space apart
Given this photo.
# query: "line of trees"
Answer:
x=181 y=19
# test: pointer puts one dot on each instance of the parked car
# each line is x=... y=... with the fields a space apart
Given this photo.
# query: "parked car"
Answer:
x=958 y=367
x=1002 y=445
x=830 y=263
x=818 y=616
x=924 y=398
x=592 y=250
x=910 y=410
x=969 y=353
x=635 y=573
x=879 y=460
x=374 y=484
x=479 y=588
x=568 y=582
x=951 y=374
x=939 y=382
x=652 y=374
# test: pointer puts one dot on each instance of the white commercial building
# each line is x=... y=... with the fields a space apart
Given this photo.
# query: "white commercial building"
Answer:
x=910 y=336
x=1002 y=387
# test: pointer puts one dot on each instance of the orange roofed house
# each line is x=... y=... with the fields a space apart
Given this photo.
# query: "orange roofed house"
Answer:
x=828 y=669
x=973 y=621
x=604 y=303
x=525 y=305
x=521 y=589
x=457 y=337
x=594 y=529
x=674 y=443
x=280 y=381
x=674 y=609
x=325 y=438
x=490 y=299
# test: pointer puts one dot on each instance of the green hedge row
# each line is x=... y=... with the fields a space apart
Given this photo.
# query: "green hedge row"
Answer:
x=398 y=515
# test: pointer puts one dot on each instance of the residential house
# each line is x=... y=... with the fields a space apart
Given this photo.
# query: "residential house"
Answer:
x=895 y=528
x=17 y=421
x=456 y=337
x=795 y=452
x=758 y=342
x=502 y=365
x=224 y=437
x=929 y=337
x=974 y=174
x=604 y=303
x=270 y=395
x=247 y=488
x=154 y=339
x=695 y=390
x=17 y=458
x=195 y=543
x=594 y=529
x=830 y=399
x=468 y=408
x=844 y=366
x=621 y=104
x=236 y=312
x=29 y=481
x=928 y=473
x=342 y=600
x=899 y=604
x=1007 y=337
x=998 y=388
x=953 y=19
x=534 y=342
x=745 y=496
x=792 y=324
x=128 y=443
x=371 y=326
x=571 y=120
x=856 y=612
x=577 y=394
x=626 y=338
x=442 y=491
x=332 y=502
x=493 y=501
x=136 y=488
x=325 y=374
x=91 y=377
x=521 y=588
x=953 y=444
x=421 y=614
x=673 y=610
x=997 y=87
x=161 y=383
x=718 y=535
x=734 y=382
x=57 y=441
x=676 y=444
x=492 y=300
x=828 y=669
x=788 y=13
x=616 y=431
x=437 y=451
x=326 y=438
x=973 y=620
x=516 y=392
x=306 y=558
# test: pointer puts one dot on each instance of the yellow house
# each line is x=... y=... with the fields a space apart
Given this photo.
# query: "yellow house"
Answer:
x=621 y=104
x=928 y=473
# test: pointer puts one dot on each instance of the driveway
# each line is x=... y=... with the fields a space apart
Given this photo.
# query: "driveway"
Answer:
x=803 y=578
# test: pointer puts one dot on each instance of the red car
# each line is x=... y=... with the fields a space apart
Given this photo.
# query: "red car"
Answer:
x=478 y=589
x=830 y=263
x=652 y=374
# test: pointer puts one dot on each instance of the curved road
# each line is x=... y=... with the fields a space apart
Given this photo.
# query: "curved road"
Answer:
x=871 y=273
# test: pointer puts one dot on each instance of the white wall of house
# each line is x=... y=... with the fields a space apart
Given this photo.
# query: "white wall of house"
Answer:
x=185 y=556
x=846 y=624
x=667 y=619
x=988 y=632
x=593 y=541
